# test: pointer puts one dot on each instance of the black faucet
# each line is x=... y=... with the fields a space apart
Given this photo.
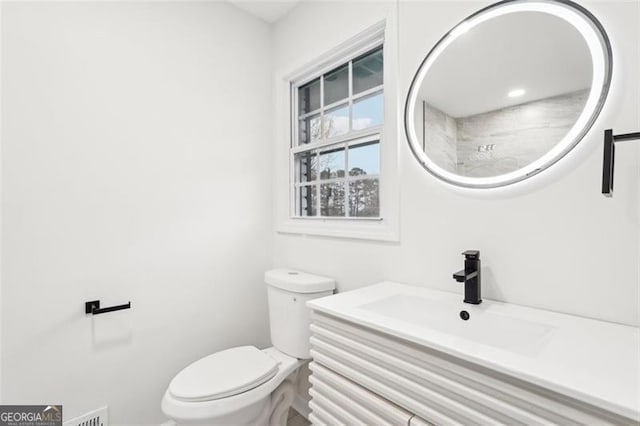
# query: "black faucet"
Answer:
x=470 y=276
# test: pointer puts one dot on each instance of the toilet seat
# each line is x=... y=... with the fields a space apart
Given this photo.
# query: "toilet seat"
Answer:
x=223 y=374
x=224 y=411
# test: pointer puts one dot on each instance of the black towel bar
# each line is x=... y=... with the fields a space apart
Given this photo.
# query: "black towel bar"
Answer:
x=609 y=156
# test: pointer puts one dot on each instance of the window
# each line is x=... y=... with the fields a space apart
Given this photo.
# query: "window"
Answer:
x=337 y=137
x=335 y=155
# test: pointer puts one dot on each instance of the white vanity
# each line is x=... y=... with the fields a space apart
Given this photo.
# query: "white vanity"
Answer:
x=397 y=354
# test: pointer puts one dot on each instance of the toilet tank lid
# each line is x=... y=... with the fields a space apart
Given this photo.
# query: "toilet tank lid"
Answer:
x=298 y=282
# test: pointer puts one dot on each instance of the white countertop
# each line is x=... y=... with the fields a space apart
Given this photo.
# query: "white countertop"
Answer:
x=593 y=361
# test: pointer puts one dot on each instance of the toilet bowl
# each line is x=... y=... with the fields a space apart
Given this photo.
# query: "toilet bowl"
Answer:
x=245 y=385
x=236 y=399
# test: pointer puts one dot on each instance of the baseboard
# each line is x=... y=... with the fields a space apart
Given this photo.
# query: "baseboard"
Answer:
x=301 y=405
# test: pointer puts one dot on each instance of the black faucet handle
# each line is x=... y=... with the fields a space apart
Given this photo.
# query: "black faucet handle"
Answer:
x=471 y=254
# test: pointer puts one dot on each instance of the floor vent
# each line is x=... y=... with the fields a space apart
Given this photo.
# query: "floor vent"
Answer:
x=93 y=418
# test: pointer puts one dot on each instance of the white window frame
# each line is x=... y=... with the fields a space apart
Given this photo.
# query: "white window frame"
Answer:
x=384 y=227
x=351 y=138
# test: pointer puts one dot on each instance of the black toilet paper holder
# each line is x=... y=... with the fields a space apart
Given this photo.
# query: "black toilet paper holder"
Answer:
x=93 y=307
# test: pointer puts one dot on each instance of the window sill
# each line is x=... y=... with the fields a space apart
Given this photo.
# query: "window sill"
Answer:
x=374 y=229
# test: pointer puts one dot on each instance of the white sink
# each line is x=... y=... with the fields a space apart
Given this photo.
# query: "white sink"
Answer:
x=483 y=326
x=594 y=361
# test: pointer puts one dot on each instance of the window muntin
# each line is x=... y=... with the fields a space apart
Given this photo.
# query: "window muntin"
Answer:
x=336 y=148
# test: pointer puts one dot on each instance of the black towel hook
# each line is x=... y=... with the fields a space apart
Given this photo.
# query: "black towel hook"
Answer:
x=609 y=157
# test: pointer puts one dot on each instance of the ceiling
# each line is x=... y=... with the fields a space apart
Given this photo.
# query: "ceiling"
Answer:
x=269 y=11
x=537 y=52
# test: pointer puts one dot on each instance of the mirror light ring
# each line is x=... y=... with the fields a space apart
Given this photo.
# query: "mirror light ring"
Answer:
x=599 y=46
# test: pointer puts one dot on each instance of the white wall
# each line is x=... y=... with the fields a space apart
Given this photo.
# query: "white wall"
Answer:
x=134 y=160
x=557 y=244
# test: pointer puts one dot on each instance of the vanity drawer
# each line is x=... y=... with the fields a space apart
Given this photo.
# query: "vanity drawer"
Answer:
x=363 y=406
x=438 y=388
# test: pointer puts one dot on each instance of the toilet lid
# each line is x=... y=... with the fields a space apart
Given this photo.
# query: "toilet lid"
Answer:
x=223 y=374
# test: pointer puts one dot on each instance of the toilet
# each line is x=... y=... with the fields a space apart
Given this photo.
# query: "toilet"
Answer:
x=246 y=385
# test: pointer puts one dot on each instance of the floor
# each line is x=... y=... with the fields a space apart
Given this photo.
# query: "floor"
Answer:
x=295 y=419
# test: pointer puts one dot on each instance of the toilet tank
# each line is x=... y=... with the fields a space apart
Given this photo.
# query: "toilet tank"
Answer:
x=288 y=292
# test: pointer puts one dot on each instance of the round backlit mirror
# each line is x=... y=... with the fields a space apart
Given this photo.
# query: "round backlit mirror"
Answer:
x=508 y=92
